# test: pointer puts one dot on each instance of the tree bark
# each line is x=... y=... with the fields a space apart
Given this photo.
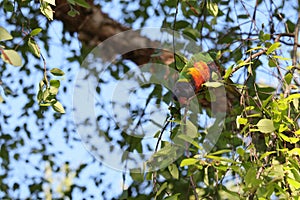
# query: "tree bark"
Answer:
x=93 y=27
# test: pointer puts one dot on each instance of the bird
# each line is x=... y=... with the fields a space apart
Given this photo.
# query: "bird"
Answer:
x=194 y=76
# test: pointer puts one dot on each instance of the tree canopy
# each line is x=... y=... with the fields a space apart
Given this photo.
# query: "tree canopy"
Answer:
x=88 y=107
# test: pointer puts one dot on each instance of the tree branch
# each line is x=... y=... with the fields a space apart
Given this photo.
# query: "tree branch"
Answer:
x=249 y=59
x=93 y=27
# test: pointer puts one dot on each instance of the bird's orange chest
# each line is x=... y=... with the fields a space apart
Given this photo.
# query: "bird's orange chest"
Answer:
x=200 y=74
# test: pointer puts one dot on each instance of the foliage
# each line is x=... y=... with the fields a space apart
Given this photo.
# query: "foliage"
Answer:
x=257 y=155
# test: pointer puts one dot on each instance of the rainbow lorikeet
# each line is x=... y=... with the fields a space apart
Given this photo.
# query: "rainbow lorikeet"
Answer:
x=193 y=75
x=200 y=69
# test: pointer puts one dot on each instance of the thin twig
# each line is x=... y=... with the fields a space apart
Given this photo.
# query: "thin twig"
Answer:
x=154 y=175
x=45 y=71
x=191 y=179
x=249 y=59
x=295 y=48
x=174 y=27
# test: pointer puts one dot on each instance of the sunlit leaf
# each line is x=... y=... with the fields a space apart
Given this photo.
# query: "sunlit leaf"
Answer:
x=240 y=121
x=294 y=183
x=295 y=151
x=273 y=47
x=254 y=49
x=291 y=140
x=34 y=48
x=47 y=10
x=57 y=72
x=11 y=57
x=213 y=84
x=265 y=126
x=35 y=31
x=4 y=34
x=212 y=8
x=228 y=72
x=266 y=154
x=58 y=107
x=188 y=161
x=52 y=2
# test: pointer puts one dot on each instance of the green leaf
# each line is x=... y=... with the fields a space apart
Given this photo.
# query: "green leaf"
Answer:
x=41 y=85
x=73 y=12
x=294 y=183
x=36 y=31
x=52 y=2
x=250 y=178
x=272 y=62
x=4 y=34
x=136 y=174
x=57 y=72
x=266 y=37
x=8 y=6
x=11 y=57
x=219 y=158
x=173 y=171
x=228 y=72
x=240 y=121
x=240 y=151
x=161 y=188
x=58 y=107
x=265 y=126
x=221 y=152
x=82 y=3
x=273 y=47
x=46 y=94
x=46 y=10
x=173 y=197
x=188 y=161
x=191 y=129
x=293 y=96
x=266 y=154
x=212 y=8
x=281 y=58
x=55 y=83
x=53 y=91
x=181 y=24
x=192 y=33
x=254 y=49
x=296 y=104
x=34 y=48
x=291 y=140
x=288 y=78
x=40 y=96
x=213 y=84
x=189 y=140
x=294 y=151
